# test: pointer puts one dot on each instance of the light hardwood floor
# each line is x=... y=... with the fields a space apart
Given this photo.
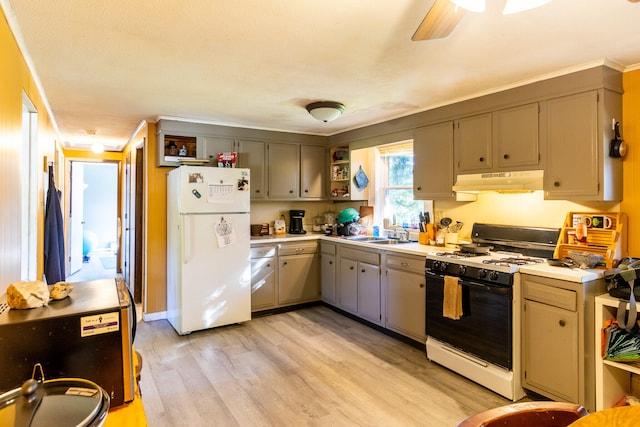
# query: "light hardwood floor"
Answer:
x=311 y=366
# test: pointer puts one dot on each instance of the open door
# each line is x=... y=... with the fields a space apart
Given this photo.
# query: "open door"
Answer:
x=76 y=218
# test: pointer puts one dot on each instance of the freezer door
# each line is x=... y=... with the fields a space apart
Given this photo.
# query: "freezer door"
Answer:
x=204 y=189
x=215 y=282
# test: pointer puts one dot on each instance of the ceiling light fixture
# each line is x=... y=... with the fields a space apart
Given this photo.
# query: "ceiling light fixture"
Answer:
x=516 y=6
x=325 y=111
x=97 y=148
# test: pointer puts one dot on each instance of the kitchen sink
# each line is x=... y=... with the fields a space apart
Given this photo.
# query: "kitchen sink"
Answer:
x=390 y=242
x=369 y=239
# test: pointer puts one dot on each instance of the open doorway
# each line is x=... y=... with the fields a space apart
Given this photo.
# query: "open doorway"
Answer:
x=93 y=221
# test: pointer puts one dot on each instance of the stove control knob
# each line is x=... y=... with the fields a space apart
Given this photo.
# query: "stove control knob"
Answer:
x=482 y=273
x=441 y=266
x=462 y=270
x=493 y=275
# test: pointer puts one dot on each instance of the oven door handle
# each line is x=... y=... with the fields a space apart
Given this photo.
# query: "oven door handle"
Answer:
x=486 y=286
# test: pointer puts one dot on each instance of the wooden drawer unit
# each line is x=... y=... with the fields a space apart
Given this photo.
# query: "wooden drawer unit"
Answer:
x=263 y=277
x=368 y=257
x=297 y=248
x=262 y=251
x=328 y=248
x=406 y=263
x=553 y=296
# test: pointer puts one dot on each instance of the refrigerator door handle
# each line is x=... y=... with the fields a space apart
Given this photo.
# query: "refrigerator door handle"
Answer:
x=184 y=219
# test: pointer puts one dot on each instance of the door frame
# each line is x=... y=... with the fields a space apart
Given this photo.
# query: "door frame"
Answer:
x=68 y=207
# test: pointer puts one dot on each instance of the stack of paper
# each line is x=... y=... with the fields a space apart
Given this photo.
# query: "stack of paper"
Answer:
x=620 y=345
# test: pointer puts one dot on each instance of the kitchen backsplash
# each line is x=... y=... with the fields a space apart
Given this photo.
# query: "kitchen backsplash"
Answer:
x=524 y=209
x=267 y=212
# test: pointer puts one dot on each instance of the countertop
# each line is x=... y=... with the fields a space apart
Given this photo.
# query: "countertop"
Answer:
x=543 y=269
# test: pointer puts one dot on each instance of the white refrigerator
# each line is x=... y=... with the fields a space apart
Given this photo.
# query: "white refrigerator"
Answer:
x=208 y=232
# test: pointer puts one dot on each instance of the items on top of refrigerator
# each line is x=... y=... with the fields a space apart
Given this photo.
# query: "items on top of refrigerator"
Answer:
x=227 y=159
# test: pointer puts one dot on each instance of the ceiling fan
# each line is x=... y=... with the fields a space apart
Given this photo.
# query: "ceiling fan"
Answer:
x=444 y=15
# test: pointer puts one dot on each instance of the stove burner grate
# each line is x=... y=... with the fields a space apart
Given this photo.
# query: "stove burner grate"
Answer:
x=507 y=262
x=458 y=254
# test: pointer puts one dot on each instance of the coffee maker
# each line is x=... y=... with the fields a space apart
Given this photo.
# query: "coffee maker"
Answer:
x=295 y=221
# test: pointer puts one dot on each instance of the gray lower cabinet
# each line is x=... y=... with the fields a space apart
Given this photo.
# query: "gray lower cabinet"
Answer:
x=263 y=277
x=405 y=297
x=558 y=347
x=550 y=335
x=328 y=272
x=298 y=273
x=358 y=286
x=369 y=292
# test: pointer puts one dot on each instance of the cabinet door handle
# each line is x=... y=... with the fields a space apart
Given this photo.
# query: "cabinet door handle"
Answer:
x=362 y=271
x=351 y=268
x=562 y=323
x=422 y=285
x=556 y=184
x=330 y=262
x=290 y=191
x=306 y=190
x=257 y=191
x=419 y=188
x=481 y=159
x=268 y=265
x=506 y=156
x=284 y=263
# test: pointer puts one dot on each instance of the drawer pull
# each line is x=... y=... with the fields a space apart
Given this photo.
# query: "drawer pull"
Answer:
x=351 y=268
x=562 y=323
x=330 y=262
x=422 y=285
x=362 y=270
x=404 y=264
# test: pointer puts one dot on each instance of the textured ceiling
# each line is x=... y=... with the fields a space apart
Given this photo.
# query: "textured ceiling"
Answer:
x=108 y=65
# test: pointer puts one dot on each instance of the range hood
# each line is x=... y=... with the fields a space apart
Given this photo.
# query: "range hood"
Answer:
x=504 y=182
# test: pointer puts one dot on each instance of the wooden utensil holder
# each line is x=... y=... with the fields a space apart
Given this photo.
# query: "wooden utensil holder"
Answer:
x=611 y=243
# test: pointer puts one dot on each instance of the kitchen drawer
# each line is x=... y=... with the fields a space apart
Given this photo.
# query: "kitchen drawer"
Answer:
x=406 y=263
x=360 y=255
x=328 y=248
x=561 y=298
x=298 y=248
x=263 y=251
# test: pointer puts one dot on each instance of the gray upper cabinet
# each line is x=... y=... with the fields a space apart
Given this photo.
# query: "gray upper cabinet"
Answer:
x=283 y=166
x=577 y=131
x=473 y=142
x=503 y=140
x=515 y=137
x=251 y=154
x=313 y=172
x=433 y=162
x=208 y=147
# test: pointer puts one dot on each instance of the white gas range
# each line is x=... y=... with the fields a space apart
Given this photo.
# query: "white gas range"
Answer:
x=484 y=343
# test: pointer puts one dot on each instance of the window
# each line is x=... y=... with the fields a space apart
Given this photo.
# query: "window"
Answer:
x=396 y=186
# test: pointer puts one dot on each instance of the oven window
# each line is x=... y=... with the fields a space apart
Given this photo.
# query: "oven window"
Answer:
x=484 y=330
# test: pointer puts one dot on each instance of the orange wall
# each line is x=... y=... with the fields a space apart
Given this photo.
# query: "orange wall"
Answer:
x=15 y=78
x=156 y=228
x=630 y=131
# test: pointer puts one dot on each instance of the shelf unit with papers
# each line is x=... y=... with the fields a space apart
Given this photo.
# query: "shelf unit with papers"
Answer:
x=614 y=380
